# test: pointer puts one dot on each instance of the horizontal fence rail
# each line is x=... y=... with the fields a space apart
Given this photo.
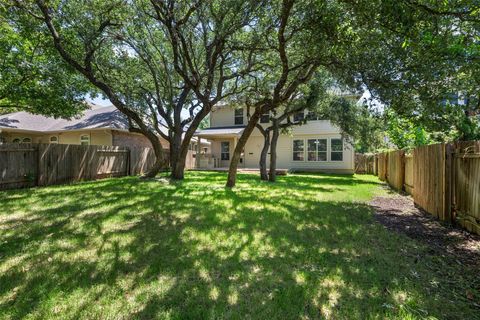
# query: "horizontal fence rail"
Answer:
x=443 y=179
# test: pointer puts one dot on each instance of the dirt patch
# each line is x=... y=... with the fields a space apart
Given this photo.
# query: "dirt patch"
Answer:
x=398 y=213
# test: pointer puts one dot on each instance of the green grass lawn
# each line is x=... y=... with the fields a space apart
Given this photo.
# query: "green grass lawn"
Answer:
x=306 y=247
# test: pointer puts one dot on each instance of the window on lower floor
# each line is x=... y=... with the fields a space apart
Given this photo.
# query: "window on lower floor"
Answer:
x=3 y=140
x=225 y=151
x=54 y=139
x=84 y=139
x=317 y=149
x=336 y=153
x=16 y=140
x=298 y=150
x=27 y=140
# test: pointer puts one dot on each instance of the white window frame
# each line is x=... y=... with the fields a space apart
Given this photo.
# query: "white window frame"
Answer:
x=17 y=140
x=316 y=150
x=266 y=114
x=82 y=140
x=298 y=115
x=293 y=150
x=222 y=152
x=3 y=140
x=53 y=142
x=332 y=151
x=27 y=138
x=309 y=115
x=235 y=117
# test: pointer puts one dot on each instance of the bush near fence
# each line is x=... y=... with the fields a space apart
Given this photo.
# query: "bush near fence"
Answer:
x=443 y=179
x=28 y=165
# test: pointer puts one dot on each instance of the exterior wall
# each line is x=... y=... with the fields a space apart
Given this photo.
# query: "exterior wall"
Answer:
x=254 y=147
x=216 y=150
x=285 y=154
x=10 y=136
x=97 y=137
x=128 y=139
x=225 y=117
x=102 y=137
x=318 y=129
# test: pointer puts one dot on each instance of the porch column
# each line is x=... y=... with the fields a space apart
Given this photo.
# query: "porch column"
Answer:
x=197 y=156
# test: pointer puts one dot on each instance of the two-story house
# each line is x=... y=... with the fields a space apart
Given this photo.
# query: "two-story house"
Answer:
x=315 y=146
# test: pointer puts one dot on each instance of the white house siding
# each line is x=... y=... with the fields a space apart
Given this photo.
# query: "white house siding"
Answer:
x=285 y=154
x=319 y=129
x=225 y=117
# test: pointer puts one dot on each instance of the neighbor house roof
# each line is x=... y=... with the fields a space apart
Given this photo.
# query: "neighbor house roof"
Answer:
x=236 y=130
x=94 y=118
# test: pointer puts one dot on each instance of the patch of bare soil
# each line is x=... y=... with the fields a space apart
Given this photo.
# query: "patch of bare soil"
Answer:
x=398 y=213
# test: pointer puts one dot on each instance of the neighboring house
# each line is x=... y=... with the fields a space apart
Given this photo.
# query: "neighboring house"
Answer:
x=314 y=146
x=96 y=126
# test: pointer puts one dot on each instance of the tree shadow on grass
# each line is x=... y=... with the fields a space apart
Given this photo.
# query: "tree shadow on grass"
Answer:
x=193 y=249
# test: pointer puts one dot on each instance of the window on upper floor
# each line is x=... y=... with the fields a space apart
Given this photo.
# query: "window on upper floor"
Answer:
x=239 y=116
x=265 y=118
x=311 y=116
x=299 y=116
x=336 y=149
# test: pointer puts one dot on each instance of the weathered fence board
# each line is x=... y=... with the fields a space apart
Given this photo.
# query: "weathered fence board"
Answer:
x=63 y=163
x=466 y=185
x=364 y=163
x=382 y=166
x=18 y=165
x=395 y=169
x=408 y=180
x=429 y=179
x=141 y=160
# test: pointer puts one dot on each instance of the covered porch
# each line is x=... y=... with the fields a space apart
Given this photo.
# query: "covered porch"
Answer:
x=223 y=142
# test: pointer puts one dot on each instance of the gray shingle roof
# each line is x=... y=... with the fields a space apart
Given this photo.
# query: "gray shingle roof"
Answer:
x=95 y=118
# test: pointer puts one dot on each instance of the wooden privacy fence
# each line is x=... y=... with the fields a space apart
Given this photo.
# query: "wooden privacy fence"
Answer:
x=365 y=163
x=444 y=179
x=27 y=165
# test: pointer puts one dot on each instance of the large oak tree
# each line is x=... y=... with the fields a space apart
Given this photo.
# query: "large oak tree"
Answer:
x=163 y=64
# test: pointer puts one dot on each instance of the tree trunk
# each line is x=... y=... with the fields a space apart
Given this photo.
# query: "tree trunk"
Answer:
x=232 y=170
x=263 y=156
x=178 y=170
x=176 y=163
x=159 y=154
x=273 y=152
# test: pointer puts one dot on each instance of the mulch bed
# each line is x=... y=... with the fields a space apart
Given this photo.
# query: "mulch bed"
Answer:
x=398 y=213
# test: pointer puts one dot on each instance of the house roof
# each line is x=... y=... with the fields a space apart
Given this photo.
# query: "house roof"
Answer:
x=95 y=118
x=218 y=131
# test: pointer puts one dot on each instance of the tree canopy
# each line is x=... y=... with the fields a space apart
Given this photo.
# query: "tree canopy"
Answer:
x=31 y=78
